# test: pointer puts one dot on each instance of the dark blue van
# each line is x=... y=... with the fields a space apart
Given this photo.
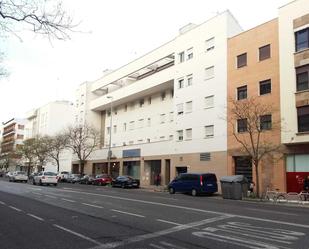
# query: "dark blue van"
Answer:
x=194 y=183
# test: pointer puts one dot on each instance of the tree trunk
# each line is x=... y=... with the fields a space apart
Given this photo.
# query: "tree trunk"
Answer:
x=28 y=170
x=82 y=166
x=257 y=184
x=58 y=165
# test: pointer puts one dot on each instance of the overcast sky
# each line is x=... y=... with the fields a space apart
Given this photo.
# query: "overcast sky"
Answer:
x=114 y=32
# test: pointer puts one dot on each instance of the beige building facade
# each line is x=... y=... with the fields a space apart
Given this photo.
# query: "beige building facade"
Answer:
x=253 y=73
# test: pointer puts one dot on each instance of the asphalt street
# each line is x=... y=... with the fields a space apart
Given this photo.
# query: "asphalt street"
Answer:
x=94 y=217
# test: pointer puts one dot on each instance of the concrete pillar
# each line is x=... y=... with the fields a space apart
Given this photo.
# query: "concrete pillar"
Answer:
x=121 y=167
x=142 y=172
x=163 y=172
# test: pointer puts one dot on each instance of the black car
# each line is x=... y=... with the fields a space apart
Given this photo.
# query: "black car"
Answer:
x=125 y=182
x=87 y=179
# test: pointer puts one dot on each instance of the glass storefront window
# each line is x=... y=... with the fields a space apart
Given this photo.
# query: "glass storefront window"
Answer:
x=297 y=163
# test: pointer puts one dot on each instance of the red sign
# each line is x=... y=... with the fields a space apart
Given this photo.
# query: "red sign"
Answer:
x=295 y=181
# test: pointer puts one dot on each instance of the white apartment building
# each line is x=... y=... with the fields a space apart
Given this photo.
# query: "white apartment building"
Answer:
x=294 y=90
x=51 y=119
x=12 y=136
x=168 y=107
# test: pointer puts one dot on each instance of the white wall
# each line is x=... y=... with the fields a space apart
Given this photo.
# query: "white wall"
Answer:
x=287 y=14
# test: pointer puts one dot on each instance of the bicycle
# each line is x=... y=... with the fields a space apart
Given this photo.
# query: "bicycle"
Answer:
x=275 y=196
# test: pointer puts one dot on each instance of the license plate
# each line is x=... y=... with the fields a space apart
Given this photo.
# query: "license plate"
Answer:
x=210 y=185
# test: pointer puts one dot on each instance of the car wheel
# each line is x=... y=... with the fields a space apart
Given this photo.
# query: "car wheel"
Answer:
x=55 y=184
x=171 y=190
x=193 y=192
x=33 y=182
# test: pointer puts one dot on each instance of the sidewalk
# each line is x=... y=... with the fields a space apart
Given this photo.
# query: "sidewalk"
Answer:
x=153 y=188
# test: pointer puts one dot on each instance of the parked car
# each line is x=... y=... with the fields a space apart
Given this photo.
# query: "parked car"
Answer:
x=18 y=176
x=9 y=174
x=102 y=179
x=2 y=173
x=194 y=183
x=63 y=176
x=73 y=178
x=126 y=182
x=45 y=178
x=31 y=177
x=87 y=179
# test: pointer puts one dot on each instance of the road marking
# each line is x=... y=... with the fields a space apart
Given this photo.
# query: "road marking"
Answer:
x=36 y=217
x=15 y=208
x=269 y=211
x=35 y=193
x=50 y=196
x=156 y=246
x=69 y=188
x=169 y=222
x=122 y=212
x=78 y=234
x=91 y=205
x=171 y=245
x=191 y=209
x=1 y=202
x=67 y=200
x=35 y=188
x=146 y=236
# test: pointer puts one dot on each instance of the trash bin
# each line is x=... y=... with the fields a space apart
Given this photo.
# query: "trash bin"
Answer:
x=234 y=187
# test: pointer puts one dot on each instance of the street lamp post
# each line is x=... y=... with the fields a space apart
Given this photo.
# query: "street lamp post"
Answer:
x=110 y=136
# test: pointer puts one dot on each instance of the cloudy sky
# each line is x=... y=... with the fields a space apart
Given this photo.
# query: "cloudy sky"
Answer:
x=112 y=33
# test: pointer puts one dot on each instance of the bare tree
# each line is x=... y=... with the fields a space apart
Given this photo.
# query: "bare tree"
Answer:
x=57 y=144
x=44 y=17
x=41 y=150
x=83 y=140
x=6 y=160
x=26 y=151
x=255 y=140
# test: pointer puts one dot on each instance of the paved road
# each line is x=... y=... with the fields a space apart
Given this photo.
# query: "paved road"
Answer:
x=91 y=217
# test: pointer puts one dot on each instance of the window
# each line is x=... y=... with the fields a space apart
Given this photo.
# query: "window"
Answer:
x=189 y=53
x=181 y=83
x=131 y=125
x=21 y=127
x=264 y=52
x=163 y=96
x=162 y=138
x=108 y=113
x=242 y=125
x=181 y=57
x=210 y=44
x=148 y=122
x=124 y=126
x=115 y=110
x=209 y=72
x=162 y=118
x=189 y=106
x=115 y=128
x=189 y=134
x=209 y=131
x=141 y=102
x=171 y=116
x=20 y=136
x=179 y=109
x=209 y=101
x=125 y=107
x=265 y=122
x=303 y=118
x=149 y=100
x=265 y=87
x=170 y=137
x=189 y=80
x=302 y=82
x=140 y=123
x=241 y=92
x=242 y=60
x=302 y=39
x=180 y=135
x=108 y=130
x=148 y=140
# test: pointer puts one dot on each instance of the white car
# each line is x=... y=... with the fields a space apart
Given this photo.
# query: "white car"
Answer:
x=18 y=176
x=46 y=178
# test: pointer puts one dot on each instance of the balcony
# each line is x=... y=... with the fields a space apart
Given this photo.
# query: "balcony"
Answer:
x=146 y=86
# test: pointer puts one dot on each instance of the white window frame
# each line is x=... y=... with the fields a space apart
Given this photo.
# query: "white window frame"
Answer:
x=180 y=135
x=209 y=75
x=162 y=118
x=212 y=104
x=209 y=134
x=190 y=79
x=189 y=134
x=189 y=53
x=179 y=109
x=181 y=83
x=181 y=57
x=189 y=106
x=210 y=44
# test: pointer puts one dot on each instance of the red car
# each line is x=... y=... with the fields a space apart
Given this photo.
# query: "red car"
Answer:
x=103 y=179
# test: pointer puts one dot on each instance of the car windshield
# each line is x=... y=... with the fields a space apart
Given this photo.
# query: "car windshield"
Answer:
x=50 y=174
x=20 y=173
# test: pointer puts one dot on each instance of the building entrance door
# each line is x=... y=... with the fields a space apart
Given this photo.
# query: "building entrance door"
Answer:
x=243 y=166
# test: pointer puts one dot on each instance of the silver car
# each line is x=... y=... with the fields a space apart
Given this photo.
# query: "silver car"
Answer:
x=18 y=176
